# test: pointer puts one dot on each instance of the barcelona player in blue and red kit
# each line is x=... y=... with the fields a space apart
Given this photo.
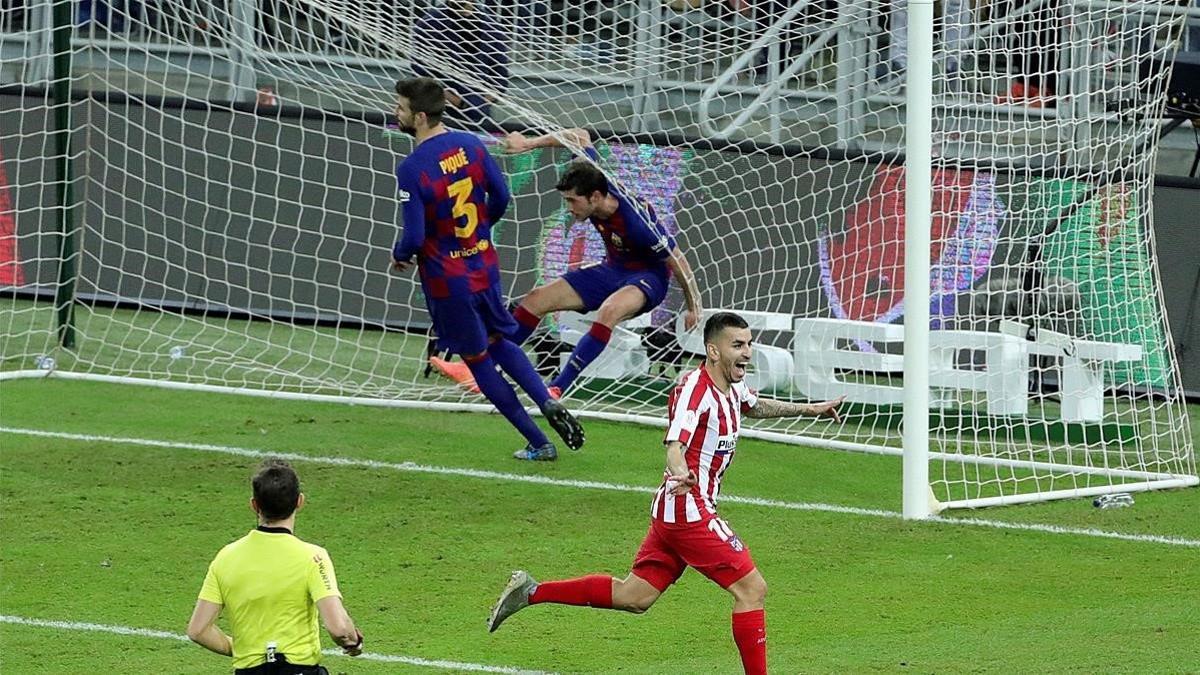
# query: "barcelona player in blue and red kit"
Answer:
x=451 y=192
x=641 y=258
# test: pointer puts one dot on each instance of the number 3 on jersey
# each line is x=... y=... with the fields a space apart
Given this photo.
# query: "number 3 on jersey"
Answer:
x=461 y=191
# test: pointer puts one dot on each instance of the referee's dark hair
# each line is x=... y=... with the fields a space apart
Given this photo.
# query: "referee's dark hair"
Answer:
x=276 y=489
x=719 y=322
x=425 y=95
x=584 y=178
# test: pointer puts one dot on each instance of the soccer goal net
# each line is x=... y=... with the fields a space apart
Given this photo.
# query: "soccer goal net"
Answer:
x=202 y=194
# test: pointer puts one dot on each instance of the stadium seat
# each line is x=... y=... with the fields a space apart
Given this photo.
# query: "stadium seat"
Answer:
x=818 y=349
x=823 y=347
x=1081 y=385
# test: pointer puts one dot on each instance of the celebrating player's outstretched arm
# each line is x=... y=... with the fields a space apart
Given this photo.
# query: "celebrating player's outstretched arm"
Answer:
x=767 y=407
x=685 y=531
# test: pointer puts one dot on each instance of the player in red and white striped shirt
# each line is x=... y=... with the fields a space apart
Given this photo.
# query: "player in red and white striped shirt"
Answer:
x=705 y=419
x=685 y=531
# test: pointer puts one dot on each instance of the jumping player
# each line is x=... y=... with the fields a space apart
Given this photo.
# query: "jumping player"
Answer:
x=685 y=530
x=632 y=279
x=452 y=192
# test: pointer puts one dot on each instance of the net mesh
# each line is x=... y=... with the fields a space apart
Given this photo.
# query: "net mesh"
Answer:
x=234 y=205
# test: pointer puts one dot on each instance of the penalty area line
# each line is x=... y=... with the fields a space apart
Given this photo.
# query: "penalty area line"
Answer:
x=594 y=485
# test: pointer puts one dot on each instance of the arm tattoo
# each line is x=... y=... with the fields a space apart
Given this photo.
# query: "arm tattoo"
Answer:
x=767 y=407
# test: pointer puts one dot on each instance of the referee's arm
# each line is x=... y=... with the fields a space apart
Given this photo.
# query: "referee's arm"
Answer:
x=202 y=628
x=323 y=589
x=339 y=624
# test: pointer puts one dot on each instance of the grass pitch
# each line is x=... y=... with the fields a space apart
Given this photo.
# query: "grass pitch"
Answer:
x=100 y=530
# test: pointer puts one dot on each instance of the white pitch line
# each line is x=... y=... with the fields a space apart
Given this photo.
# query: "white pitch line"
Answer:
x=592 y=485
x=164 y=635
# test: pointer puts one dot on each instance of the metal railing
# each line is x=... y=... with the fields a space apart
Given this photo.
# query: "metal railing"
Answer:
x=642 y=51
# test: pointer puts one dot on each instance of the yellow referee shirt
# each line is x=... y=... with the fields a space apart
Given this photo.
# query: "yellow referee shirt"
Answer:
x=269 y=583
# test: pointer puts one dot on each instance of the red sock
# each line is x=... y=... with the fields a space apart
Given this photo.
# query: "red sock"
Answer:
x=750 y=634
x=594 y=590
x=525 y=317
x=600 y=332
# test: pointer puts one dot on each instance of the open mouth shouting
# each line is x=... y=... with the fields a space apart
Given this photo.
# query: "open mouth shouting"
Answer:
x=739 y=369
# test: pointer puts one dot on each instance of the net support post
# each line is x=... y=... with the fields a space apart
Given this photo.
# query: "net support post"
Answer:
x=648 y=55
x=243 y=53
x=774 y=52
x=1075 y=85
x=60 y=93
x=41 y=22
x=853 y=47
x=917 y=226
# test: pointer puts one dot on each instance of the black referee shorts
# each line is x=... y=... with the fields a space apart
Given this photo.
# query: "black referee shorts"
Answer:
x=282 y=667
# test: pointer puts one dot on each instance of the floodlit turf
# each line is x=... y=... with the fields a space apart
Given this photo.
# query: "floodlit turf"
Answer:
x=114 y=533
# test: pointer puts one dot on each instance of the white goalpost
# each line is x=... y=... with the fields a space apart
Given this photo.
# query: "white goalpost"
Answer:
x=918 y=203
x=943 y=211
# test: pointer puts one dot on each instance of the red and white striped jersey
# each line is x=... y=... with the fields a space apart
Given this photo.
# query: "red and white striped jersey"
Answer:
x=706 y=421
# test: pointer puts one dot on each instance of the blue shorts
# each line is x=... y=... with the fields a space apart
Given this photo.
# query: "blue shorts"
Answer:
x=594 y=283
x=464 y=323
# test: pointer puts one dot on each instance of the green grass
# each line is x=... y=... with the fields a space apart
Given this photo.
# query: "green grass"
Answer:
x=121 y=534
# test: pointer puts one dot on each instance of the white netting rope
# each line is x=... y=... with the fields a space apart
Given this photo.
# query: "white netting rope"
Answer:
x=1045 y=117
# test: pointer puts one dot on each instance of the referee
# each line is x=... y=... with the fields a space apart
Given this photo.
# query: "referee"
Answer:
x=273 y=586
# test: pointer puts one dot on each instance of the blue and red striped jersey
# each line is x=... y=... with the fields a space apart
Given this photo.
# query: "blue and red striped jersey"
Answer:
x=633 y=238
x=451 y=193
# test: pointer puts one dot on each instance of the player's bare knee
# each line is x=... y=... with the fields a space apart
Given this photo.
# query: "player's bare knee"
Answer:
x=751 y=590
x=609 y=316
x=639 y=603
x=612 y=313
x=633 y=595
x=760 y=589
x=639 y=608
x=536 y=302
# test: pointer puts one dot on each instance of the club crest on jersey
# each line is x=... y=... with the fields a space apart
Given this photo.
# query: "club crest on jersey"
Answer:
x=617 y=241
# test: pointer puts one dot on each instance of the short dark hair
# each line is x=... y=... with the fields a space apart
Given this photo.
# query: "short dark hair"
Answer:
x=719 y=322
x=584 y=178
x=425 y=95
x=276 y=489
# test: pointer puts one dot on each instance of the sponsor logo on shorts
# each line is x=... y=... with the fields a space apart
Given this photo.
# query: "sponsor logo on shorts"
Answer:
x=724 y=533
x=405 y=195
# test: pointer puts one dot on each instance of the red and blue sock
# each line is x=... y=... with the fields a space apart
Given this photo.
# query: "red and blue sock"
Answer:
x=590 y=346
x=501 y=394
x=527 y=322
x=515 y=363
